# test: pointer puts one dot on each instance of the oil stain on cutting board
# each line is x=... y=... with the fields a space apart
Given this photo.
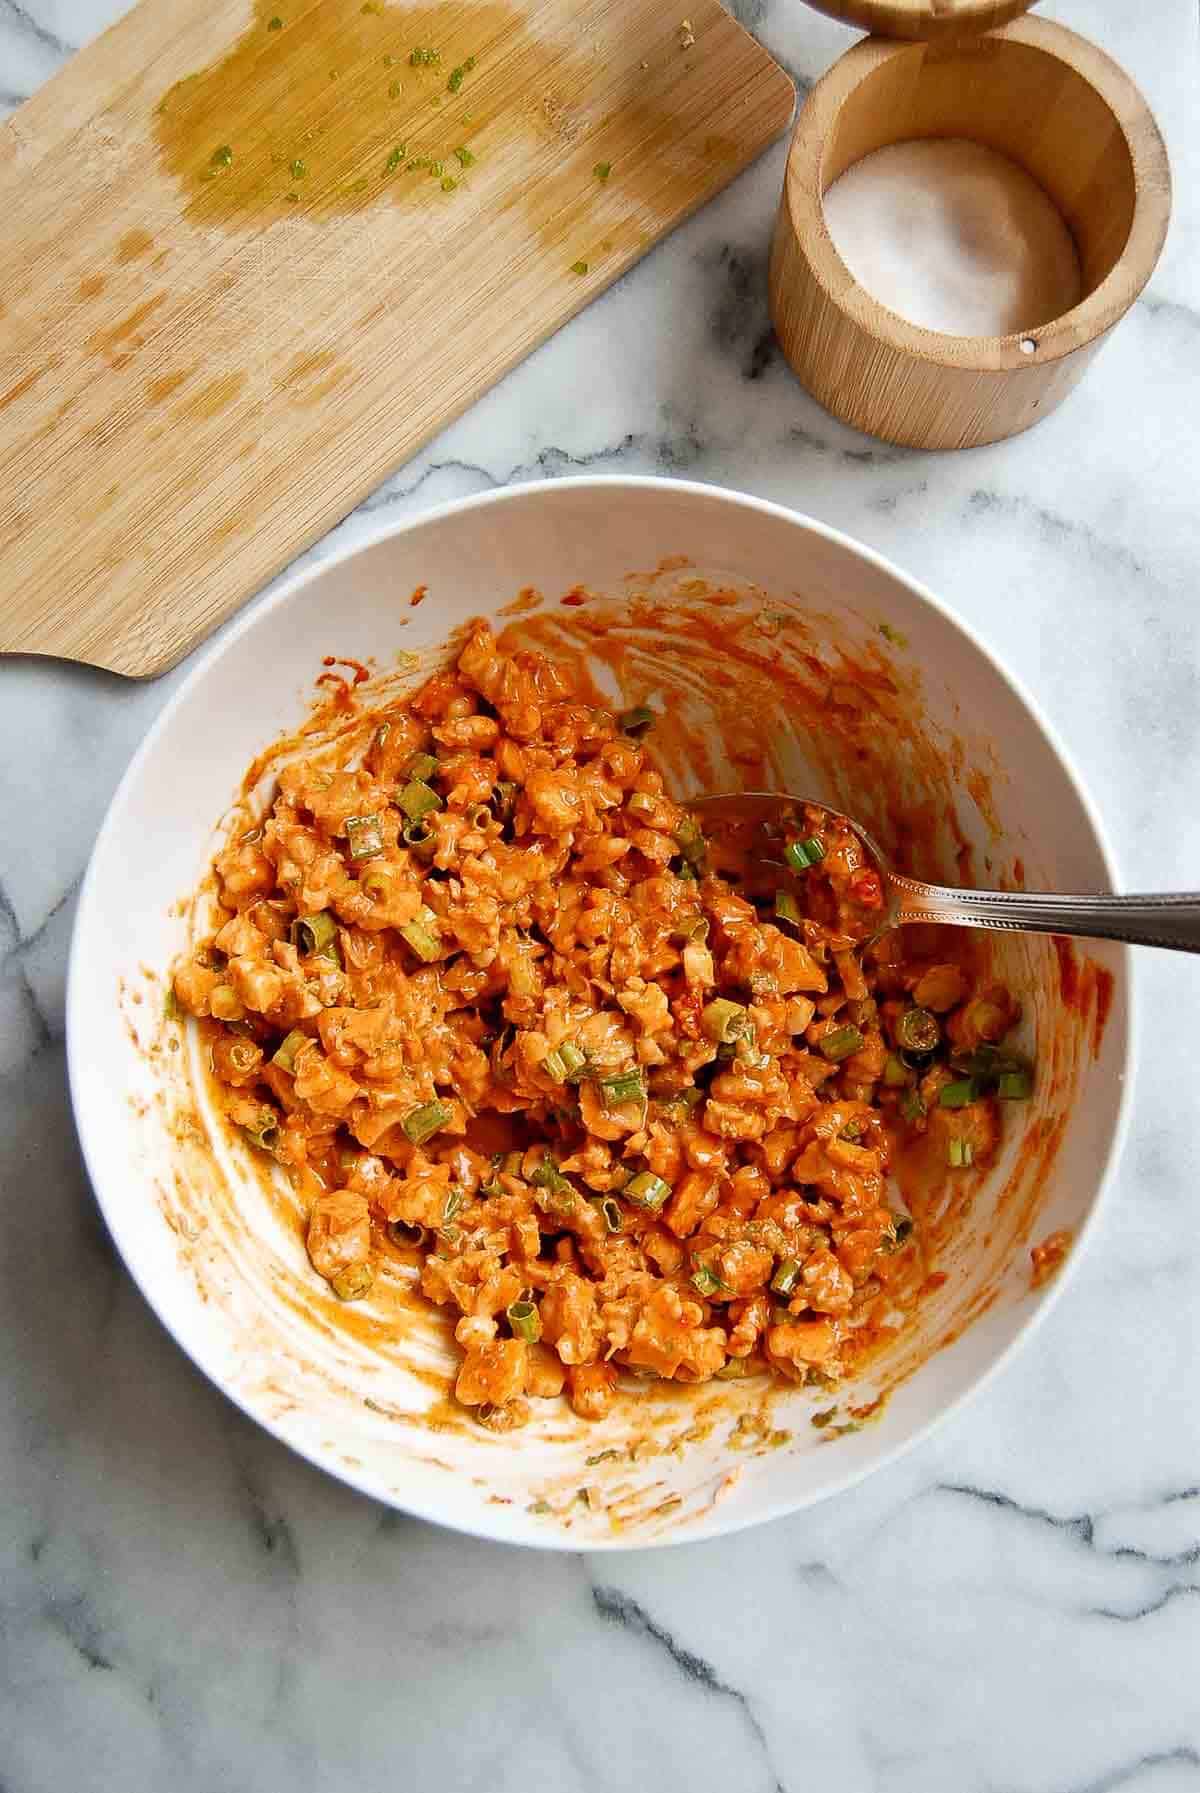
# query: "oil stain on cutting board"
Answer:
x=247 y=281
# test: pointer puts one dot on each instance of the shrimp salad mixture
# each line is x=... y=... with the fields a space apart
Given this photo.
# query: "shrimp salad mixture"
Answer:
x=624 y=1090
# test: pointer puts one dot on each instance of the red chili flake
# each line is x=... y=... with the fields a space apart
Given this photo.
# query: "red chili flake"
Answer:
x=575 y=597
x=867 y=890
x=421 y=592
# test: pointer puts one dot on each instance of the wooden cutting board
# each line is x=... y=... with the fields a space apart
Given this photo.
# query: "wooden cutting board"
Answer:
x=256 y=252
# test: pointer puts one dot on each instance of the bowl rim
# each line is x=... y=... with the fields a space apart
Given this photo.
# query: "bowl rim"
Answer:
x=102 y=1173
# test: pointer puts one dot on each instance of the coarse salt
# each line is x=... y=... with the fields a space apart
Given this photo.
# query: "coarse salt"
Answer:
x=954 y=237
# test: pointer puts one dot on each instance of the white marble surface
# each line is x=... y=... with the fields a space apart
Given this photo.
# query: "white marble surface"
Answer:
x=1015 y=1608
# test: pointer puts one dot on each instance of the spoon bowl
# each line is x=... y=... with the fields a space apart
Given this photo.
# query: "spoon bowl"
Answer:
x=1169 y=919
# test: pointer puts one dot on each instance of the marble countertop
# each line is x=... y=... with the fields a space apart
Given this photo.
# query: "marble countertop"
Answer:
x=1015 y=1606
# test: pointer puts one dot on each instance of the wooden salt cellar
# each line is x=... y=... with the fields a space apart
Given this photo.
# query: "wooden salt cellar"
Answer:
x=1033 y=91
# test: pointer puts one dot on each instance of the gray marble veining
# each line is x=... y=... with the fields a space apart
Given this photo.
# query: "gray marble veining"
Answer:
x=1013 y=1608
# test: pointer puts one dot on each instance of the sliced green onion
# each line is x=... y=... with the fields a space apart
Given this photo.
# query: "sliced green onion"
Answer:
x=622 y=1086
x=555 y=1065
x=547 y=1175
x=402 y=1232
x=686 y=871
x=641 y=803
x=572 y=1058
x=456 y=1195
x=842 y=1043
x=418 y=799
x=722 y=1020
x=365 y=836
x=735 y=1368
x=800 y=854
x=314 y=933
x=786 y=907
x=422 y=1123
x=264 y=1132
x=1015 y=1086
x=894 y=1074
x=912 y=1105
x=421 y=934
x=354 y=1283
x=689 y=838
x=918 y=1031
x=647 y=1190
x=786 y=1277
x=960 y=1094
x=419 y=837
x=525 y=1321
x=637 y=720
x=960 y=1154
x=285 y=1057
x=706 y=1282
x=421 y=768
x=610 y=1211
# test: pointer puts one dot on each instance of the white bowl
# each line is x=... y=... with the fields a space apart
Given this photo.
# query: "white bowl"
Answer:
x=223 y=1263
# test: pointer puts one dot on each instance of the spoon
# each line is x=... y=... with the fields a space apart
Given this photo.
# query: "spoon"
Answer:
x=1170 y=919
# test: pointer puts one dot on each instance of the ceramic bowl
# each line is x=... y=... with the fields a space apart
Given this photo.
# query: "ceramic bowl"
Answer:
x=220 y=1256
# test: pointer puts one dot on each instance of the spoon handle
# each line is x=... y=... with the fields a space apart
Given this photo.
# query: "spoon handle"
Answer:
x=1170 y=918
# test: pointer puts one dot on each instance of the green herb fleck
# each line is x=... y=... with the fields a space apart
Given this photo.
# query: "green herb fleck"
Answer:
x=465 y=157
x=539 y=1507
x=579 y=267
x=394 y=91
x=823 y=1418
x=602 y=170
x=171 y=1008
x=893 y=635
x=299 y=169
x=449 y=184
x=457 y=74
x=222 y=157
x=275 y=24
x=601 y=1457
x=292 y=198
x=395 y=158
x=437 y=170
x=424 y=58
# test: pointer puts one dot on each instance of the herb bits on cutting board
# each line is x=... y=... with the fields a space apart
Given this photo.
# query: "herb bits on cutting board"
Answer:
x=253 y=262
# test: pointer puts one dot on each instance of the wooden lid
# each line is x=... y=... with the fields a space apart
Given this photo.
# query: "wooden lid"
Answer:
x=924 y=18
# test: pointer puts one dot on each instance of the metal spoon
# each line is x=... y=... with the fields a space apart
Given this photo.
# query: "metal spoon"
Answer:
x=1170 y=918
